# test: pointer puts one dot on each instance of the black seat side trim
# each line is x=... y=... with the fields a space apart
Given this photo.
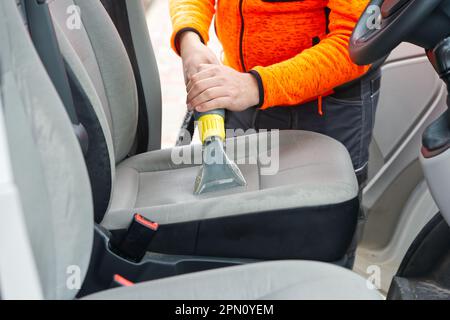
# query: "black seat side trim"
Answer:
x=321 y=233
x=97 y=158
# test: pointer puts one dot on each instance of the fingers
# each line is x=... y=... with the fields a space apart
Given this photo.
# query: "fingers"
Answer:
x=192 y=67
x=205 y=71
x=207 y=66
x=198 y=87
x=187 y=76
x=206 y=89
x=218 y=103
x=207 y=95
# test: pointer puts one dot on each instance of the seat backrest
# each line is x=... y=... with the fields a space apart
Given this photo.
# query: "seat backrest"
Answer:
x=95 y=54
x=48 y=172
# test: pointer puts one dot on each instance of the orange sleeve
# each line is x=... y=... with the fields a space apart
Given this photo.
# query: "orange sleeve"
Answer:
x=193 y=15
x=315 y=71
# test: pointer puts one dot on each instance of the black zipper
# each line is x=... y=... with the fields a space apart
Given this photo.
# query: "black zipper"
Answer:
x=241 y=36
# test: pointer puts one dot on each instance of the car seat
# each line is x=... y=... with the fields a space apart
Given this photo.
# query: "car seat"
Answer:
x=53 y=230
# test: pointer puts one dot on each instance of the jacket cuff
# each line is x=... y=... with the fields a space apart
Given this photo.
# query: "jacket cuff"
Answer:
x=176 y=38
x=257 y=76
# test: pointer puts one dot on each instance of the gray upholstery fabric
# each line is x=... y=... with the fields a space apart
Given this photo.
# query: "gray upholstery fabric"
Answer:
x=270 y=280
x=104 y=59
x=48 y=166
x=313 y=170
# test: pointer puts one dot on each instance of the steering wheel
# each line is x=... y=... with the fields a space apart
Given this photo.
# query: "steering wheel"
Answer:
x=384 y=25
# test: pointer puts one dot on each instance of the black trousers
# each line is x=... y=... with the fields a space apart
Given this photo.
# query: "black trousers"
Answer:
x=348 y=116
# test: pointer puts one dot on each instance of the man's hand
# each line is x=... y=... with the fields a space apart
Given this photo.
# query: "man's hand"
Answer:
x=221 y=87
x=194 y=53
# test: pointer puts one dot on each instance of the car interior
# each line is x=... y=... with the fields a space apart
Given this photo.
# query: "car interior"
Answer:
x=81 y=165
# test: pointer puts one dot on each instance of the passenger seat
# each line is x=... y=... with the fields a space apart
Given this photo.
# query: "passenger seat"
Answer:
x=51 y=178
x=307 y=210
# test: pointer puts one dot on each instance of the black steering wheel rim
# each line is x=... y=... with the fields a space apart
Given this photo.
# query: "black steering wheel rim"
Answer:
x=371 y=43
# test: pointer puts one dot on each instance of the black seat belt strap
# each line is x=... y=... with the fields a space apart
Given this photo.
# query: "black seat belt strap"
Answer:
x=133 y=244
x=43 y=35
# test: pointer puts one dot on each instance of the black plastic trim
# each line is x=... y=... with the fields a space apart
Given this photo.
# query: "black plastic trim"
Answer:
x=321 y=233
x=424 y=272
x=104 y=264
x=97 y=158
x=436 y=137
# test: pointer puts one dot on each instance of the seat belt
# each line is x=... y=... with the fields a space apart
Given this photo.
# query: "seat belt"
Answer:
x=42 y=32
x=133 y=244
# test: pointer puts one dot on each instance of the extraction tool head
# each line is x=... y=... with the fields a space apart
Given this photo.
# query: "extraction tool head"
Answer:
x=218 y=172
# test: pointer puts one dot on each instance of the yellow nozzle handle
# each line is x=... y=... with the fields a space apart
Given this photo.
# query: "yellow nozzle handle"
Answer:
x=211 y=124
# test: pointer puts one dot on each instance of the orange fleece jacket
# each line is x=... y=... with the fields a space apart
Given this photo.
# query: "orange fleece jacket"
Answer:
x=295 y=52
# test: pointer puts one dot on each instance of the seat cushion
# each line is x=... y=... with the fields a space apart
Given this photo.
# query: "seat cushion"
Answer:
x=306 y=209
x=293 y=280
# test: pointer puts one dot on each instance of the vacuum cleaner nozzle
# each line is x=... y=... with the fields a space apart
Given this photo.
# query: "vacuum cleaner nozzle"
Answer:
x=218 y=172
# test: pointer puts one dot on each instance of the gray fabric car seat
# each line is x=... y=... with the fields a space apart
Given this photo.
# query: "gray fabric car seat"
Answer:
x=276 y=280
x=307 y=210
x=57 y=212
